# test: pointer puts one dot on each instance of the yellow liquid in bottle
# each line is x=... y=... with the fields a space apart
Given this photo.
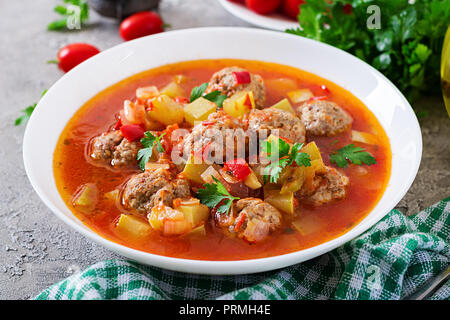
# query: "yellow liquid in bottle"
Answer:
x=445 y=70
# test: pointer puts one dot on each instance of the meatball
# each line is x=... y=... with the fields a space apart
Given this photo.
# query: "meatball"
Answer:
x=225 y=81
x=288 y=124
x=125 y=153
x=219 y=133
x=113 y=149
x=103 y=146
x=145 y=190
x=327 y=187
x=252 y=219
x=324 y=118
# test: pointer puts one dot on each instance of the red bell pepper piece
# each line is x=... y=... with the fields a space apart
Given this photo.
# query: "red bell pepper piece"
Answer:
x=238 y=168
x=325 y=89
x=132 y=132
x=181 y=100
x=118 y=124
x=248 y=101
x=242 y=77
x=240 y=222
x=317 y=98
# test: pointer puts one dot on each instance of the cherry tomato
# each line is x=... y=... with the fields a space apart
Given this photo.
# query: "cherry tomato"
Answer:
x=73 y=54
x=347 y=8
x=291 y=8
x=263 y=6
x=140 y=24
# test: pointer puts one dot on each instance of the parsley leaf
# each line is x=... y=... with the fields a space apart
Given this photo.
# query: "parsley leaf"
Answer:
x=215 y=96
x=355 y=155
x=281 y=155
x=74 y=12
x=214 y=194
x=27 y=112
x=197 y=92
x=148 y=142
x=273 y=170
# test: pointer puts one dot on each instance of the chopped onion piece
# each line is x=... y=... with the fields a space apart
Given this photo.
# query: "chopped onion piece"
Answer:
x=134 y=112
x=210 y=172
x=147 y=92
x=190 y=202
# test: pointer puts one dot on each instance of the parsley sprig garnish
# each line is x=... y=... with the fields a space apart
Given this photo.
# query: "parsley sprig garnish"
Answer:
x=148 y=142
x=73 y=11
x=355 y=155
x=214 y=194
x=27 y=112
x=215 y=96
x=281 y=155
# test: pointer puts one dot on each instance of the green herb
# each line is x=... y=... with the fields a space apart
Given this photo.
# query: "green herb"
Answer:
x=405 y=46
x=355 y=155
x=74 y=12
x=27 y=112
x=148 y=142
x=420 y=114
x=214 y=194
x=333 y=142
x=282 y=155
x=215 y=96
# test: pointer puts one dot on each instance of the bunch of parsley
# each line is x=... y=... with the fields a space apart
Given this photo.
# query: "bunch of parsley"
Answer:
x=406 y=48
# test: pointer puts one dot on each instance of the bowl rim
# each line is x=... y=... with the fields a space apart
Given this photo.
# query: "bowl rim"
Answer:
x=272 y=21
x=208 y=266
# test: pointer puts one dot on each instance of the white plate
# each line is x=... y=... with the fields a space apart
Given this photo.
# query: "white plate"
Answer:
x=76 y=87
x=274 y=21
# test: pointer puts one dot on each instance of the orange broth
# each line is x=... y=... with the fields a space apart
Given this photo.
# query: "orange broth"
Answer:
x=72 y=167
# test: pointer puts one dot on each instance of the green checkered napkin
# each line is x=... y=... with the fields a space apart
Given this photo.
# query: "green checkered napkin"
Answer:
x=390 y=261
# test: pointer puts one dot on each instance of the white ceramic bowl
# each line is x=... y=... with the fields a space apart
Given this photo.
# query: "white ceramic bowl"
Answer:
x=274 y=21
x=105 y=69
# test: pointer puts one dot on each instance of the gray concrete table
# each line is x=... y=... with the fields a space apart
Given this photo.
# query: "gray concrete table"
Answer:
x=36 y=249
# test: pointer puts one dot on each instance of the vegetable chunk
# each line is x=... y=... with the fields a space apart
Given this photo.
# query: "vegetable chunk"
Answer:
x=284 y=202
x=132 y=226
x=199 y=110
x=195 y=214
x=166 y=111
x=86 y=199
x=173 y=90
x=284 y=105
x=239 y=104
x=193 y=171
x=300 y=95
